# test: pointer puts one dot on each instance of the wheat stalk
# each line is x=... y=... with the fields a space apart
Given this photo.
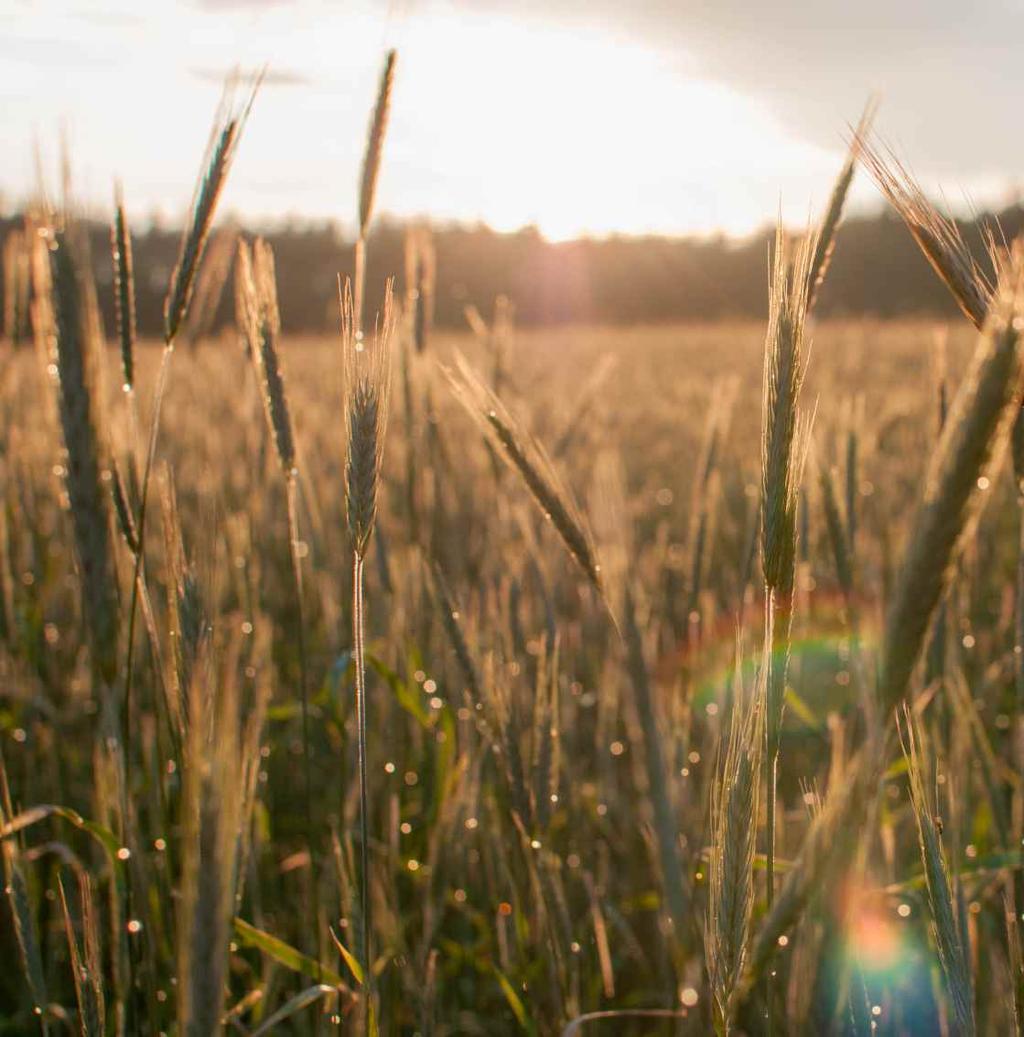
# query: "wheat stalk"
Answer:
x=211 y=801
x=227 y=130
x=972 y=442
x=210 y=282
x=834 y=834
x=949 y=938
x=261 y=309
x=838 y=535
x=367 y=381
x=666 y=831
x=22 y=919
x=17 y=282
x=245 y=298
x=86 y=964
x=420 y=283
x=784 y=433
x=451 y=621
x=734 y=803
x=59 y=282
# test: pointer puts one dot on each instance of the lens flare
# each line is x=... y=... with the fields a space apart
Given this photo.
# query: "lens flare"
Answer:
x=876 y=941
x=820 y=656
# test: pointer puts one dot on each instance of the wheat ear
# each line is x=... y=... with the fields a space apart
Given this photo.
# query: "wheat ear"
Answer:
x=973 y=439
x=369 y=176
x=124 y=289
x=220 y=152
x=829 y=226
x=265 y=333
x=936 y=235
x=527 y=457
x=59 y=282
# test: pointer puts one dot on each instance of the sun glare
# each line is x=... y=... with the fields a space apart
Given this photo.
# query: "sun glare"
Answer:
x=497 y=118
x=582 y=133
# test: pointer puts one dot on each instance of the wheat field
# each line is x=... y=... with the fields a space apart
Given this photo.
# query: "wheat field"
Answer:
x=661 y=679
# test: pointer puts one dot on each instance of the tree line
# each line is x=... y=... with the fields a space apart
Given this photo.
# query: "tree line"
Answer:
x=877 y=271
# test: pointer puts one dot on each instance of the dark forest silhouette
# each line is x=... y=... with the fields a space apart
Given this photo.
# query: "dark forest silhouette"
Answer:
x=877 y=271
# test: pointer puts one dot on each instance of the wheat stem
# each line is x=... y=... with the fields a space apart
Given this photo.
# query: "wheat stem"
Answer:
x=307 y=751
x=364 y=825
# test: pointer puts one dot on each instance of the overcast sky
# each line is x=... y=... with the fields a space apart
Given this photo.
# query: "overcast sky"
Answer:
x=579 y=115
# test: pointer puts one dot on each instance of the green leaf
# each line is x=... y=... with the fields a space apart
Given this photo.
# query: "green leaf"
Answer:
x=514 y=1002
x=896 y=769
x=104 y=836
x=409 y=696
x=350 y=959
x=802 y=710
x=285 y=954
x=282 y=712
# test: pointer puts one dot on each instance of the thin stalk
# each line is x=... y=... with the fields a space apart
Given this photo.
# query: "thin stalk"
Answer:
x=359 y=283
x=778 y=620
x=364 y=879
x=137 y=576
x=293 y=539
x=771 y=756
x=1018 y=646
x=158 y=396
x=1018 y=672
x=659 y=789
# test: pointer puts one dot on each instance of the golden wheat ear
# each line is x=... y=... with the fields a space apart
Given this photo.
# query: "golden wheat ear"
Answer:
x=367 y=386
x=974 y=437
x=375 y=143
x=265 y=332
x=829 y=226
x=228 y=125
x=527 y=457
x=785 y=363
x=60 y=288
x=935 y=233
x=124 y=289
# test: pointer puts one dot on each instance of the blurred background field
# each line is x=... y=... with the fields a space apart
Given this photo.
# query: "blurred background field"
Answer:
x=625 y=414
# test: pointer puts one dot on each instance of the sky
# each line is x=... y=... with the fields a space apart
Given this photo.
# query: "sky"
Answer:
x=578 y=116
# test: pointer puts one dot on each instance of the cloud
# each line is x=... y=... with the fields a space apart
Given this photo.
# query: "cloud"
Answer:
x=951 y=84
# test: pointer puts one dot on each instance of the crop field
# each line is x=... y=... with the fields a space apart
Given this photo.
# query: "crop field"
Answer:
x=566 y=680
x=503 y=898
